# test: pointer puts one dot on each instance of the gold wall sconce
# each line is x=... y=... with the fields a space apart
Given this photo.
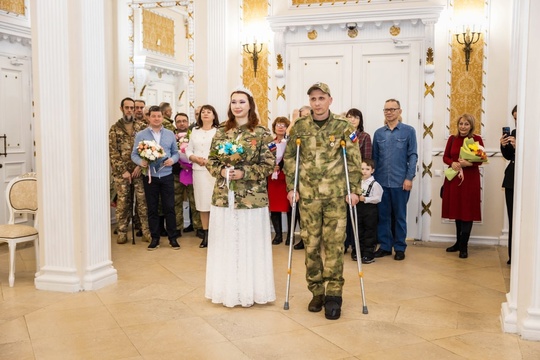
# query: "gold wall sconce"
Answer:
x=468 y=38
x=254 y=52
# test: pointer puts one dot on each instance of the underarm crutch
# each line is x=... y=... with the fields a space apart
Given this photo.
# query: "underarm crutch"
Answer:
x=132 y=193
x=354 y=220
x=293 y=224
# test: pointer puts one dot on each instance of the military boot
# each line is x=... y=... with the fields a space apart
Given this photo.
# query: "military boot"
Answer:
x=276 y=223
x=332 y=307
x=122 y=238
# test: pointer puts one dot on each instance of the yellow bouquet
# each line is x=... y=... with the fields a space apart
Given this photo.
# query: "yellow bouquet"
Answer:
x=471 y=151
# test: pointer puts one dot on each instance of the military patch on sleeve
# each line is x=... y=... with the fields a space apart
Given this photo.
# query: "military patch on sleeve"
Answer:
x=353 y=136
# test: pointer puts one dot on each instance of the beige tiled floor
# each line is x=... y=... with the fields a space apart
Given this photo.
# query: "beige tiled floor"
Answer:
x=430 y=306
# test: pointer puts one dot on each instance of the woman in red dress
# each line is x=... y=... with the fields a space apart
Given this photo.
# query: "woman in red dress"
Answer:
x=277 y=188
x=461 y=196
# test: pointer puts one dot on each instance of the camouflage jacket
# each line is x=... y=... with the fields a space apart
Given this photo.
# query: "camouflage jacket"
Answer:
x=169 y=124
x=121 y=145
x=321 y=166
x=257 y=163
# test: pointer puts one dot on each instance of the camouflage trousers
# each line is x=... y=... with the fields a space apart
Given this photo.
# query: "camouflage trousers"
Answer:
x=182 y=192
x=124 y=204
x=323 y=224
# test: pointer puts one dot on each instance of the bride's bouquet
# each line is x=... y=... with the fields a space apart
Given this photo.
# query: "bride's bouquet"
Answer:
x=182 y=140
x=471 y=151
x=150 y=151
x=230 y=153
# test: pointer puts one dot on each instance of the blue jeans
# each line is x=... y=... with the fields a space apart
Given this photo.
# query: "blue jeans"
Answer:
x=161 y=188
x=394 y=200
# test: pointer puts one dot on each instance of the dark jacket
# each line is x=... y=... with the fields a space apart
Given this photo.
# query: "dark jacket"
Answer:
x=509 y=153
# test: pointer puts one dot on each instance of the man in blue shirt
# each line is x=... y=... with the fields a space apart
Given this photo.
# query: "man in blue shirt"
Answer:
x=158 y=181
x=395 y=155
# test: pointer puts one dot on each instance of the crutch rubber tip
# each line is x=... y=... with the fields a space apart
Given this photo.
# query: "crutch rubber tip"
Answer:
x=364 y=310
x=286 y=306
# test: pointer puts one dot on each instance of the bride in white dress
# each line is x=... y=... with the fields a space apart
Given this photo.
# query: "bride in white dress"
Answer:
x=239 y=268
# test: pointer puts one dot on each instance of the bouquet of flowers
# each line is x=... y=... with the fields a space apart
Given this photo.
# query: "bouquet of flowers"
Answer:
x=182 y=140
x=150 y=151
x=471 y=151
x=230 y=153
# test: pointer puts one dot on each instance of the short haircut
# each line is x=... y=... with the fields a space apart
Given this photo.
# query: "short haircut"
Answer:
x=124 y=100
x=181 y=114
x=139 y=100
x=369 y=162
x=280 y=120
x=153 y=108
x=393 y=100
x=163 y=106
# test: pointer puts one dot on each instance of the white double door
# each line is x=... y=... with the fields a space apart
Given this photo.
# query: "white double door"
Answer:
x=364 y=76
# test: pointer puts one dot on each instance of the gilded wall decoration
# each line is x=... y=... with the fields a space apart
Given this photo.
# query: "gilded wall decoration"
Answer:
x=158 y=33
x=13 y=6
x=257 y=11
x=429 y=56
x=331 y=2
x=466 y=86
x=312 y=35
x=394 y=30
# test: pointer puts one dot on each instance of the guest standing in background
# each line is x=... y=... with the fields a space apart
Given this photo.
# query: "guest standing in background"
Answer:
x=197 y=152
x=239 y=268
x=508 y=150
x=277 y=188
x=461 y=195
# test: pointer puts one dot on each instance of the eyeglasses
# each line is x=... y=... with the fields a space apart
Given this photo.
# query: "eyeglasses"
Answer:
x=391 y=110
x=281 y=125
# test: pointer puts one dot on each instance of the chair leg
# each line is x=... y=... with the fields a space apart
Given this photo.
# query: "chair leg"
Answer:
x=36 y=248
x=12 y=247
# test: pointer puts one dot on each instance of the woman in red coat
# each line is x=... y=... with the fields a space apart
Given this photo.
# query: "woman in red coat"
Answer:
x=461 y=196
x=277 y=188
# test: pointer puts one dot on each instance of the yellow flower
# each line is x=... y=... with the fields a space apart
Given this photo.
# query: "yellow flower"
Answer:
x=473 y=146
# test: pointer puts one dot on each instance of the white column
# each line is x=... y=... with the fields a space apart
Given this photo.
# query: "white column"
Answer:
x=217 y=41
x=522 y=312
x=71 y=132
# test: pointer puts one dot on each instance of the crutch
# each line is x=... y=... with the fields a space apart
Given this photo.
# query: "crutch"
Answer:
x=293 y=224
x=354 y=219
x=132 y=190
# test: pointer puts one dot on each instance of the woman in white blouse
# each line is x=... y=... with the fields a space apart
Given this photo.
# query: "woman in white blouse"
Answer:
x=197 y=152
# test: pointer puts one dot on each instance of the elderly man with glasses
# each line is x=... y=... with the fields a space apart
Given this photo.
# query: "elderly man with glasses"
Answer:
x=395 y=155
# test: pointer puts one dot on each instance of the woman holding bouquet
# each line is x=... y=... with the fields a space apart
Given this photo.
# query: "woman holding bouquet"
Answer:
x=239 y=267
x=197 y=152
x=461 y=195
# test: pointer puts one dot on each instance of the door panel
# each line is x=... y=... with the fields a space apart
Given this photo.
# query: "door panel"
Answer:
x=15 y=123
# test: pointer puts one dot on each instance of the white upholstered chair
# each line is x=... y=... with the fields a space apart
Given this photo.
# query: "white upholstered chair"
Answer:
x=21 y=197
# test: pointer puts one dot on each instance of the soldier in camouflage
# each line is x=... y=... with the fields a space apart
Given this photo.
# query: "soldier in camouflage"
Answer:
x=322 y=195
x=125 y=173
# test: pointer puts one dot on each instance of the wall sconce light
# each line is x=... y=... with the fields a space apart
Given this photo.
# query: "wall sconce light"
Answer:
x=254 y=53
x=468 y=38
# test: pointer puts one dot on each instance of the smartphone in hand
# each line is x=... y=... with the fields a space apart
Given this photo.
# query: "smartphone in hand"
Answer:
x=506 y=131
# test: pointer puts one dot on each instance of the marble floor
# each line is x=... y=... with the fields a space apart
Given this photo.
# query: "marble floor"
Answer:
x=433 y=305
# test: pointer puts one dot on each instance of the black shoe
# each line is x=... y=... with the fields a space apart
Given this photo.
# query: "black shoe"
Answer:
x=153 y=245
x=400 y=255
x=316 y=304
x=332 y=307
x=189 y=228
x=354 y=257
x=204 y=242
x=453 y=248
x=463 y=254
x=509 y=262
x=174 y=244
x=367 y=260
x=278 y=239
x=115 y=231
x=200 y=233
x=299 y=246
x=381 y=253
x=345 y=251
x=138 y=233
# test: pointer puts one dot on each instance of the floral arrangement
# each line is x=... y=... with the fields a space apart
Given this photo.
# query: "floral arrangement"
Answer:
x=471 y=151
x=183 y=139
x=150 y=151
x=229 y=152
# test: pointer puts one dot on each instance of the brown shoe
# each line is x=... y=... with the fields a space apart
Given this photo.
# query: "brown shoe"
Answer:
x=316 y=304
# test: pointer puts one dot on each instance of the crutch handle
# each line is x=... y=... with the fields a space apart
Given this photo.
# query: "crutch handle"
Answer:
x=298 y=141
x=342 y=143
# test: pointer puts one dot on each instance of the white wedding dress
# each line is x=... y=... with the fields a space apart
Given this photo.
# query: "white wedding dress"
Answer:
x=239 y=269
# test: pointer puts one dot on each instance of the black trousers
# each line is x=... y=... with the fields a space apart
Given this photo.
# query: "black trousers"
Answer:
x=368 y=220
x=161 y=188
x=509 y=196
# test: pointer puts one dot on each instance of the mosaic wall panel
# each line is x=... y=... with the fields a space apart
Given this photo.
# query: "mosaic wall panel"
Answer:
x=13 y=6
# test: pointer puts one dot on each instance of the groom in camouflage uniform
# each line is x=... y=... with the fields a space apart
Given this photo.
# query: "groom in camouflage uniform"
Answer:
x=125 y=172
x=322 y=195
